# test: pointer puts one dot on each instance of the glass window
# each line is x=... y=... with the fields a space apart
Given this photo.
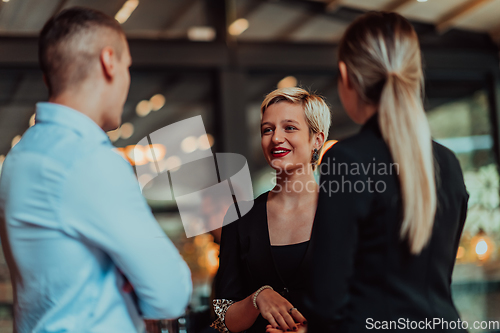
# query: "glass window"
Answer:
x=464 y=125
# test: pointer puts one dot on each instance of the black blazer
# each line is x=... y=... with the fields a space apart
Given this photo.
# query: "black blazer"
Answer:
x=360 y=267
x=247 y=263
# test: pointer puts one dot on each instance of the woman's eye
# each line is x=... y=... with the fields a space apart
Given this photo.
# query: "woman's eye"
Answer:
x=266 y=130
x=290 y=128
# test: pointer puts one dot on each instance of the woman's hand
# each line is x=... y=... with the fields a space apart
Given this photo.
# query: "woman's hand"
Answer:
x=301 y=329
x=275 y=309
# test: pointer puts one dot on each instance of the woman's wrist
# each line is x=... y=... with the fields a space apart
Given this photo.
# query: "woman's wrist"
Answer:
x=256 y=294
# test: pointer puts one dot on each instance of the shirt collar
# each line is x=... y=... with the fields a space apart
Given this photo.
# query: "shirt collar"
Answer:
x=47 y=112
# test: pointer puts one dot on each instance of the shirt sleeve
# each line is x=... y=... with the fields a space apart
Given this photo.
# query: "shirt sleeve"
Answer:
x=102 y=204
x=334 y=239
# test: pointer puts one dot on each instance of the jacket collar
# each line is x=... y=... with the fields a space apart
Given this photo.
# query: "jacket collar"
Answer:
x=372 y=124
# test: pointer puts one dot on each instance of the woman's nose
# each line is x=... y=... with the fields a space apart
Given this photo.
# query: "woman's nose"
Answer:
x=277 y=138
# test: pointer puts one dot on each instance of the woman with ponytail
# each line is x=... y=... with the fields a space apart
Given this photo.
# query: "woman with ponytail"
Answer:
x=392 y=203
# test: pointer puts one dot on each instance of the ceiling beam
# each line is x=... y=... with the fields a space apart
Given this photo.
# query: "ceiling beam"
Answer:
x=397 y=5
x=295 y=26
x=476 y=52
x=449 y=19
x=249 y=8
x=182 y=10
x=217 y=15
x=330 y=8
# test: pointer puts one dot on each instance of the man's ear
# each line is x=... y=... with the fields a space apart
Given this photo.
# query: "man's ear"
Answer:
x=344 y=76
x=107 y=59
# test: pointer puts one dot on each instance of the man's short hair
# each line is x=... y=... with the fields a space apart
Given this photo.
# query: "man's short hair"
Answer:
x=70 y=44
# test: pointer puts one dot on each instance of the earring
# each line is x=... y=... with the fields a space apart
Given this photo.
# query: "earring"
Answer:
x=315 y=156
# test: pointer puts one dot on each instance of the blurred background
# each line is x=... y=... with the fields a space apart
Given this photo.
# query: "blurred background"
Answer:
x=219 y=58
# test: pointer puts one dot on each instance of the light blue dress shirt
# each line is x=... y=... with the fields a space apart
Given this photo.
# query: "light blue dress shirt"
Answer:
x=72 y=219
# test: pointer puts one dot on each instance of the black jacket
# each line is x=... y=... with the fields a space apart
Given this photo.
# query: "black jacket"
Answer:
x=362 y=273
x=247 y=263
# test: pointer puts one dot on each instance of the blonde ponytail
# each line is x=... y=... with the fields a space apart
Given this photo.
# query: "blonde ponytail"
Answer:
x=406 y=131
x=382 y=55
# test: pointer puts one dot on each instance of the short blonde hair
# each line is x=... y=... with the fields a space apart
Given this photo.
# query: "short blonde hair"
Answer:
x=316 y=110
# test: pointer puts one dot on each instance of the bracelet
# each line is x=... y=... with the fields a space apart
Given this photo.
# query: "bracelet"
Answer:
x=254 y=301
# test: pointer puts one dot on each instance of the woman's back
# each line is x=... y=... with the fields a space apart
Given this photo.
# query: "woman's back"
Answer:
x=377 y=283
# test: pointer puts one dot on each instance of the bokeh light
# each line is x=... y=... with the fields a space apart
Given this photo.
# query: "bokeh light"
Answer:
x=157 y=102
x=114 y=134
x=205 y=141
x=127 y=130
x=287 y=82
x=189 y=144
x=136 y=155
x=32 y=120
x=15 y=140
x=238 y=27
x=155 y=152
x=143 y=108
x=173 y=163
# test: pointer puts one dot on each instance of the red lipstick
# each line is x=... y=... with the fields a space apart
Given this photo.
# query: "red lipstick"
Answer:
x=280 y=152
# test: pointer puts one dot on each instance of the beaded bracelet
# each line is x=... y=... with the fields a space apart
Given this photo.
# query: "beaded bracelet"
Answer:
x=257 y=294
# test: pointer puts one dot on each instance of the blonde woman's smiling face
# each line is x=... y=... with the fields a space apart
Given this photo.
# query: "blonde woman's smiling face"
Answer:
x=285 y=137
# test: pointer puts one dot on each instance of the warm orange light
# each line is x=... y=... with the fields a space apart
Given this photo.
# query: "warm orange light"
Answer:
x=329 y=144
x=205 y=141
x=32 y=120
x=482 y=245
x=114 y=134
x=460 y=252
x=126 y=10
x=189 y=144
x=155 y=152
x=238 y=27
x=143 y=108
x=212 y=258
x=136 y=155
x=14 y=141
x=126 y=131
x=201 y=240
x=189 y=248
x=157 y=102
x=287 y=82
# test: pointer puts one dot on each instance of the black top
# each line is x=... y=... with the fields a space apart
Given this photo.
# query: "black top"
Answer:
x=287 y=258
x=247 y=263
x=360 y=267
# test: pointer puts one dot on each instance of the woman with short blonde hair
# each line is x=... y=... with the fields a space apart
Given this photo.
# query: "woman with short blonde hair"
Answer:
x=316 y=111
x=263 y=261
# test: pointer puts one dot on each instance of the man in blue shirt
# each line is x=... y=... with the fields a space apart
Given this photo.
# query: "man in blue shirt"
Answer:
x=73 y=221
